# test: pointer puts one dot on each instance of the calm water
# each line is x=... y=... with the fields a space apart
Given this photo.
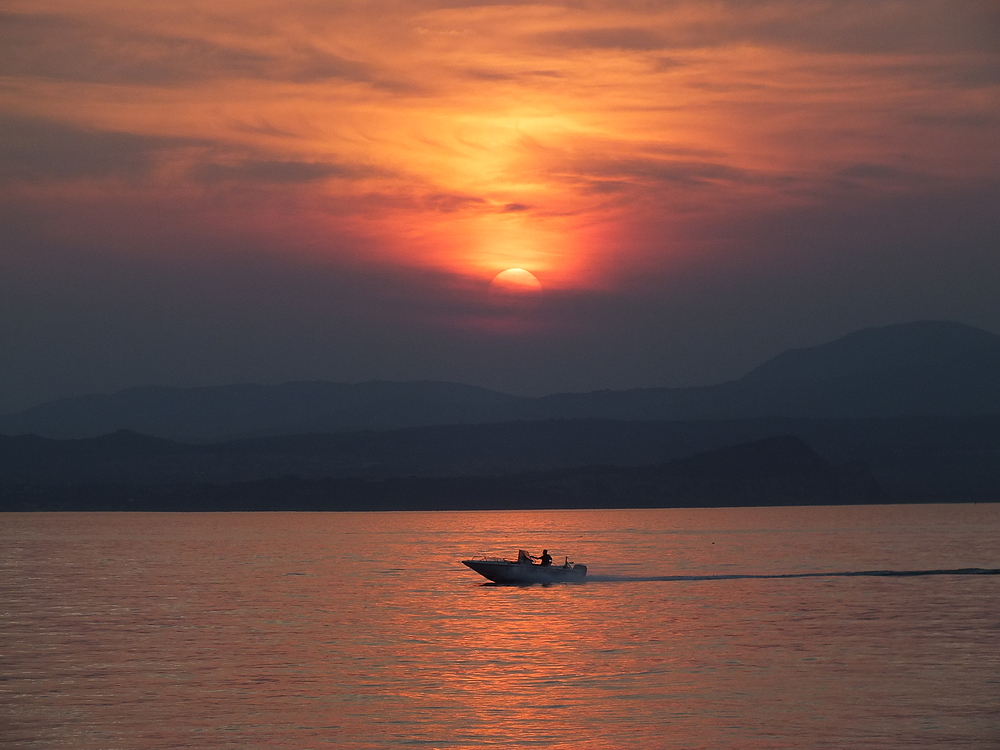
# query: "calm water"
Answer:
x=363 y=631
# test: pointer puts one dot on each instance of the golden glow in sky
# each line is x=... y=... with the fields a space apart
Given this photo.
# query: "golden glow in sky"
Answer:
x=586 y=142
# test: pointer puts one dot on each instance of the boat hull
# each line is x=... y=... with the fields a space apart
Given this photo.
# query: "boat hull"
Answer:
x=504 y=571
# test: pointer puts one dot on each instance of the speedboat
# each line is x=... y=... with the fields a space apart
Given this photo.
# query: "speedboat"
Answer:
x=523 y=570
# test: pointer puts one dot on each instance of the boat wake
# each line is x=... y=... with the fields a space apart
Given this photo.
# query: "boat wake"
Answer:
x=845 y=574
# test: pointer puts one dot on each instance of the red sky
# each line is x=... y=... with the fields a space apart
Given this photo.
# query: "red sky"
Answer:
x=199 y=193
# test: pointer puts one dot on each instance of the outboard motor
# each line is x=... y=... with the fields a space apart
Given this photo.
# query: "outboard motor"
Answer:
x=581 y=568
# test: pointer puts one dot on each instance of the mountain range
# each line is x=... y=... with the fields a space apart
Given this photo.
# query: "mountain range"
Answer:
x=776 y=471
x=944 y=458
x=927 y=368
x=897 y=414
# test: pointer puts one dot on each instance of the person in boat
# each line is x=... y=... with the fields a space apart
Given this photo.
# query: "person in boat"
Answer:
x=546 y=558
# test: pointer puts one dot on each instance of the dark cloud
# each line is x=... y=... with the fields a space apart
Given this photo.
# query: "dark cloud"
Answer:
x=949 y=72
x=306 y=65
x=961 y=120
x=847 y=26
x=679 y=172
x=67 y=49
x=599 y=187
x=36 y=149
x=480 y=74
x=984 y=74
x=263 y=127
x=33 y=149
x=607 y=38
x=879 y=27
x=880 y=172
x=489 y=75
x=252 y=170
x=667 y=63
x=451 y=202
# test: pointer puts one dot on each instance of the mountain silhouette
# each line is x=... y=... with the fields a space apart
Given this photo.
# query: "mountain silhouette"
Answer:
x=873 y=350
x=915 y=458
x=781 y=470
x=930 y=368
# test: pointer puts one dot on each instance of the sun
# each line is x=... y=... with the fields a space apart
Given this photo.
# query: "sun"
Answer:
x=515 y=288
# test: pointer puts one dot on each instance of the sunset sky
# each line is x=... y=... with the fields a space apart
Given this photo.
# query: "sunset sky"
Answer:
x=198 y=193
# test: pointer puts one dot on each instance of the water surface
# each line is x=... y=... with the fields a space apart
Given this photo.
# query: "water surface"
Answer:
x=288 y=630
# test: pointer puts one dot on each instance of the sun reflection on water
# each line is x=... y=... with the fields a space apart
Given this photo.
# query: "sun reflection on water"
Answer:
x=356 y=631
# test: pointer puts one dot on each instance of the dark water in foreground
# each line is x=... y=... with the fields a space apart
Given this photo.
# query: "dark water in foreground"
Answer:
x=727 y=628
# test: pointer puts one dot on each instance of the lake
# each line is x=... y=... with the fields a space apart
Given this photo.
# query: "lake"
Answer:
x=363 y=630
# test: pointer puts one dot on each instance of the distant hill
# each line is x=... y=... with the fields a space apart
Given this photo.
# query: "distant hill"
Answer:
x=777 y=471
x=922 y=368
x=873 y=350
x=948 y=458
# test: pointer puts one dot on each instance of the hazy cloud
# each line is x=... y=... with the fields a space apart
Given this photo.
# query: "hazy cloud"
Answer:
x=847 y=26
x=489 y=75
x=876 y=26
x=864 y=171
x=36 y=149
x=609 y=38
x=962 y=120
x=253 y=170
x=450 y=202
x=67 y=49
x=680 y=172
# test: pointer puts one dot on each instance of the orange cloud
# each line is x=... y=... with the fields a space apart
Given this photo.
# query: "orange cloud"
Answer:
x=581 y=142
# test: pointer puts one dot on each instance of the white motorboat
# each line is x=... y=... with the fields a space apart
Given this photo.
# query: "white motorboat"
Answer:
x=523 y=570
